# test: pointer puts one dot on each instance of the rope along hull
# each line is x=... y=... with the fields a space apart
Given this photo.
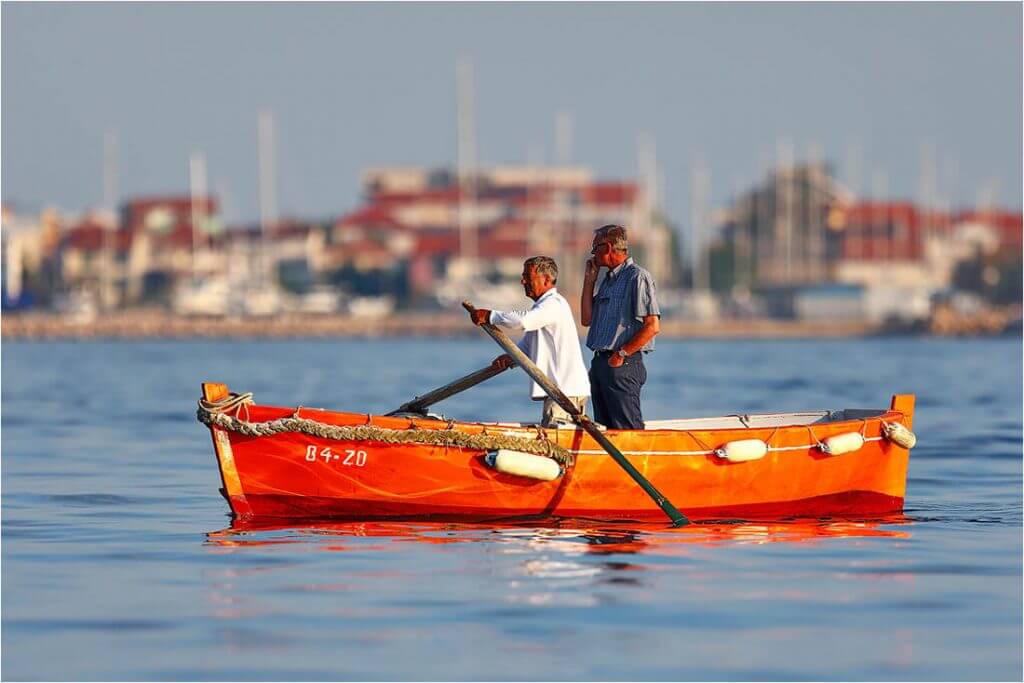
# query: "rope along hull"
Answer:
x=296 y=474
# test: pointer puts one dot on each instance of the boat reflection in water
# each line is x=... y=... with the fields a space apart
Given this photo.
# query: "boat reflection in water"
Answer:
x=569 y=536
x=548 y=563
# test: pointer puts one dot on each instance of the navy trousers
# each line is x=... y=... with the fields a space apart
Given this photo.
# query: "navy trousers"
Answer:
x=615 y=392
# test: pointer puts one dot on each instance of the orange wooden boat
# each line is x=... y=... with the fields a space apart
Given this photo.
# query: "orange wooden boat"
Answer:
x=307 y=463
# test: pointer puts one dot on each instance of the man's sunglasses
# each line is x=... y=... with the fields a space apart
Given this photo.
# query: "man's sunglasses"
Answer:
x=598 y=247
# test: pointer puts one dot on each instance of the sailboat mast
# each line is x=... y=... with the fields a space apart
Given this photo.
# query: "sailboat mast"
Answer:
x=266 y=184
x=817 y=185
x=881 y=216
x=563 y=137
x=700 y=262
x=110 y=205
x=927 y=190
x=197 y=192
x=655 y=250
x=646 y=163
x=789 y=161
x=466 y=159
x=534 y=159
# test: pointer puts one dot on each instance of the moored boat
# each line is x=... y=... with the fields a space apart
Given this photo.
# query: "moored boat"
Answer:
x=283 y=462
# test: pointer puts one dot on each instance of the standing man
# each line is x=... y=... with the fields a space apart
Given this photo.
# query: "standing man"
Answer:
x=623 y=317
x=551 y=340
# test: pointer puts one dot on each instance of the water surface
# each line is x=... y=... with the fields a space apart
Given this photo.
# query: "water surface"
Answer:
x=120 y=561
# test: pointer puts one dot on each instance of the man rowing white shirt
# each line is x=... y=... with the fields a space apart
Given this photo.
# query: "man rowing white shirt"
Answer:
x=551 y=340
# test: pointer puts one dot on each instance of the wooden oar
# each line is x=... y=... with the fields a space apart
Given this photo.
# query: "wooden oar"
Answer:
x=420 y=403
x=552 y=390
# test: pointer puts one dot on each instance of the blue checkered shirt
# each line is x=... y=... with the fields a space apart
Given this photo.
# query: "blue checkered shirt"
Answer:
x=624 y=298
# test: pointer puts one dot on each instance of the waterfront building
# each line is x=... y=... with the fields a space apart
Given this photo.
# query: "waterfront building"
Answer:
x=805 y=245
x=28 y=242
x=780 y=233
x=442 y=232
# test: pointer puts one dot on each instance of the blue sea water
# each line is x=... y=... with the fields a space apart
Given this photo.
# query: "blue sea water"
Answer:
x=120 y=562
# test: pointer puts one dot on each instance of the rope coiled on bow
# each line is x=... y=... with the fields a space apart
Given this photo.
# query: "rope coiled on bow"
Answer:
x=217 y=413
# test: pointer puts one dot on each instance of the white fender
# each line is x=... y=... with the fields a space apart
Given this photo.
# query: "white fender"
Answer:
x=742 y=451
x=842 y=443
x=523 y=464
x=899 y=435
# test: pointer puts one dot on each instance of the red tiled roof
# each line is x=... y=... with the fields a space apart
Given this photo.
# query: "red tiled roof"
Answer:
x=866 y=235
x=135 y=210
x=433 y=242
x=866 y=221
x=1007 y=225
x=91 y=236
x=877 y=212
x=376 y=215
x=595 y=193
x=609 y=193
x=498 y=247
x=444 y=194
x=505 y=237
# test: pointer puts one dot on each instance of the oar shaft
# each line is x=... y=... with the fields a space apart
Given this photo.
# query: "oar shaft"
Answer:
x=568 y=406
x=420 y=403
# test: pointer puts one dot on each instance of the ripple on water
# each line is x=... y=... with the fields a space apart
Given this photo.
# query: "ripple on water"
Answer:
x=94 y=499
x=30 y=530
x=108 y=548
x=44 y=626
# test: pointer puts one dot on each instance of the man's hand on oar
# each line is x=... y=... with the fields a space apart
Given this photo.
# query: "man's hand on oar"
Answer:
x=552 y=390
x=503 y=362
x=480 y=316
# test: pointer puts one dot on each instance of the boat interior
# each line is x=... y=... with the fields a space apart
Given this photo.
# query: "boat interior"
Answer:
x=738 y=421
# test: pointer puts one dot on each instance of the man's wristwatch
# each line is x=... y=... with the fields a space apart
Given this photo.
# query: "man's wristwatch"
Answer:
x=622 y=354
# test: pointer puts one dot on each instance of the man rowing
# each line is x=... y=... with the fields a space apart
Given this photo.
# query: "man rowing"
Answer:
x=551 y=340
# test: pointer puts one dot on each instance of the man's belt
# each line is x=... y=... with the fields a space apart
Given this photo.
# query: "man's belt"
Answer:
x=609 y=352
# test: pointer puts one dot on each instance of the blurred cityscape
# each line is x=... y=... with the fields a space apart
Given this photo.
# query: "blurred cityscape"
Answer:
x=797 y=246
x=795 y=249
x=797 y=252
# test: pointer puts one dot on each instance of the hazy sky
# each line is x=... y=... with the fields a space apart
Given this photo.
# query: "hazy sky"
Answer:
x=873 y=85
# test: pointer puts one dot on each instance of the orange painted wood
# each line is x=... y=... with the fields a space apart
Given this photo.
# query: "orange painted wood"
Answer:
x=370 y=479
x=214 y=391
x=233 y=488
x=904 y=403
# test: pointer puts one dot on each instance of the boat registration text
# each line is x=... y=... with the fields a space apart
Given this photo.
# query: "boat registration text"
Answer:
x=351 y=458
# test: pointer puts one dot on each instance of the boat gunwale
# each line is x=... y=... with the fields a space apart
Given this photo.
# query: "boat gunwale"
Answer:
x=533 y=429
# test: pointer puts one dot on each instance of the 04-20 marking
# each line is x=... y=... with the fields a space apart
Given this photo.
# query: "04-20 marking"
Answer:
x=351 y=458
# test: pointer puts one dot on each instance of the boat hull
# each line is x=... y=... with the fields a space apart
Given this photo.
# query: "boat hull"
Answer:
x=857 y=503
x=298 y=475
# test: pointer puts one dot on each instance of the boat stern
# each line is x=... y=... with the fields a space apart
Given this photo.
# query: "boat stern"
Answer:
x=904 y=403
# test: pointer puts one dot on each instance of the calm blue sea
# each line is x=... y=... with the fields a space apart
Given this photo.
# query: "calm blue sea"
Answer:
x=120 y=562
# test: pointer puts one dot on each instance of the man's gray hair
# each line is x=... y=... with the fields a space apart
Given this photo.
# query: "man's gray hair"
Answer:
x=543 y=265
x=614 y=235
